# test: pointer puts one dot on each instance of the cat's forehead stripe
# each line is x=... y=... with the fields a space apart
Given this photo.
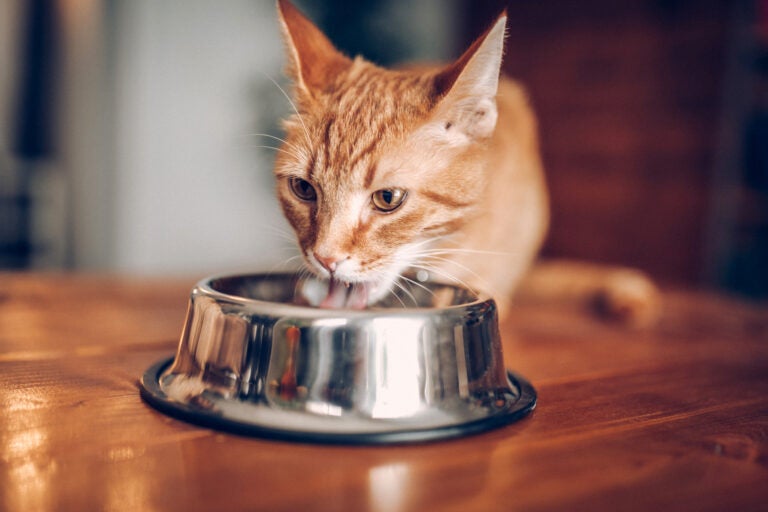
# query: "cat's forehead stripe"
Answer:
x=346 y=145
x=310 y=165
x=370 y=175
x=366 y=150
x=327 y=139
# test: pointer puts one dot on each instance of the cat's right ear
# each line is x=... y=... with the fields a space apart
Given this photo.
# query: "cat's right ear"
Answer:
x=467 y=88
x=313 y=60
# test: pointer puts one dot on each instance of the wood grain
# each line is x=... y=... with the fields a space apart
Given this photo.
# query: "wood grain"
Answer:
x=675 y=418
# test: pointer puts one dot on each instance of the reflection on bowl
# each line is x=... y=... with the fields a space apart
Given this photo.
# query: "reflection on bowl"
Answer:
x=424 y=365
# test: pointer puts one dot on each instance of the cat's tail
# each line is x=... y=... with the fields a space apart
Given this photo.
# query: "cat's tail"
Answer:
x=618 y=293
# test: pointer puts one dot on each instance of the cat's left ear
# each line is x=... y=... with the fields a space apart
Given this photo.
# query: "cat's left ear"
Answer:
x=467 y=88
x=314 y=62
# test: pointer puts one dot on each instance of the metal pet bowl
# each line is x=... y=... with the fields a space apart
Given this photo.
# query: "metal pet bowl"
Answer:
x=420 y=366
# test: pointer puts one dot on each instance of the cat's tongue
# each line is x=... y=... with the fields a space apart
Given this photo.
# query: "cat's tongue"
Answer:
x=345 y=295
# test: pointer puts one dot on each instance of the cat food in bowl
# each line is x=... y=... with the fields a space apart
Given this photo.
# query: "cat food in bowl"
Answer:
x=422 y=365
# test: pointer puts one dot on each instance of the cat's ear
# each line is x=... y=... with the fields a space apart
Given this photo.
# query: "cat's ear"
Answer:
x=466 y=89
x=313 y=60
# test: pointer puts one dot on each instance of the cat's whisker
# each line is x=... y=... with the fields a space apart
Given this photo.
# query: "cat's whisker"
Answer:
x=443 y=273
x=286 y=263
x=280 y=266
x=286 y=238
x=436 y=258
x=286 y=249
x=281 y=150
x=446 y=238
x=415 y=250
x=383 y=275
x=408 y=290
x=293 y=106
x=296 y=156
x=395 y=294
x=411 y=283
x=302 y=274
x=275 y=229
x=418 y=284
x=451 y=262
x=483 y=283
x=448 y=250
x=273 y=137
x=427 y=241
x=295 y=151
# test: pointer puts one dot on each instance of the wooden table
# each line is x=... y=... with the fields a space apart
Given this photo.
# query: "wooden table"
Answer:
x=670 y=419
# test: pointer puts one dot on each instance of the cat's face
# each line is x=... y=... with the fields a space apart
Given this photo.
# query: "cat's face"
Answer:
x=378 y=163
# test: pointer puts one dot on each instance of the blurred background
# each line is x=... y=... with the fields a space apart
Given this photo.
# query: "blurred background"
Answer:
x=129 y=130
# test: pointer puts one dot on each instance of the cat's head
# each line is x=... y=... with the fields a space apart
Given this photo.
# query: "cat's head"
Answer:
x=377 y=163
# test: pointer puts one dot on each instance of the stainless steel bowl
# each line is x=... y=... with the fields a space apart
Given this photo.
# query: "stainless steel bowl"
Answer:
x=425 y=364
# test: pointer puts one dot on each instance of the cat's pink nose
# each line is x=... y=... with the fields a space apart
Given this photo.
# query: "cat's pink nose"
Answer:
x=329 y=263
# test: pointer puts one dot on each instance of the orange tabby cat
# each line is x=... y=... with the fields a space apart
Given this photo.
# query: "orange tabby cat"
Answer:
x=384 y=171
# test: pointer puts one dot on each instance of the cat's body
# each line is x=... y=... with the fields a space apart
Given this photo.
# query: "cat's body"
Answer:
x=437 y=169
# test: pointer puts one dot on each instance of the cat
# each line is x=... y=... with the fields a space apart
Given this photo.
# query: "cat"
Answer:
x=434 y=169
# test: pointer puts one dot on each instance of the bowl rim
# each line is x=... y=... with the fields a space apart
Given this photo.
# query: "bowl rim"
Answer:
x=482 y=300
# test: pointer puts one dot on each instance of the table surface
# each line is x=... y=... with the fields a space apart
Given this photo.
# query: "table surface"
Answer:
x=672 y=418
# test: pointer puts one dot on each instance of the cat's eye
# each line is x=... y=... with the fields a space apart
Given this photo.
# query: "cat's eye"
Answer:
x=388 y=199
x=302 y=189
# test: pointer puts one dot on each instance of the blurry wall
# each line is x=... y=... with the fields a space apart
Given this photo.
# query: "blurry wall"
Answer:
x=154 y=166
x=192 y=191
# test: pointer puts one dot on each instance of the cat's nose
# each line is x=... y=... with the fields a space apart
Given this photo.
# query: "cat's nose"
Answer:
x=329 y=263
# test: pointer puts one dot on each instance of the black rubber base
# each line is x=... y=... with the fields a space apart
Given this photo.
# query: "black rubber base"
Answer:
x=154 y=396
